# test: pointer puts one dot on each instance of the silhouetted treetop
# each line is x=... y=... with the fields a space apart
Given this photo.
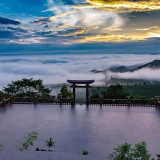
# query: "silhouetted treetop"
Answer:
x=27 y=87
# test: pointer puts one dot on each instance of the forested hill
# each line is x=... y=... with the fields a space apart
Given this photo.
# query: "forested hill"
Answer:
x=152 y=65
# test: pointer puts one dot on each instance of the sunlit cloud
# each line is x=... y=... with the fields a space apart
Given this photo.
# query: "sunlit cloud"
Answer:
x=116 y=38
x=104 y=17
x=83 y=21
x=142 y=29
x=126 y=5
x=88 y=18
x=113 y=29
x=154 y=27
x=27 y=40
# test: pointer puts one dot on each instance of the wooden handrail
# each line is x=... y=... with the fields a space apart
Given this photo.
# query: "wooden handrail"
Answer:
x=97 y=101
x=5 y=102
x=141 y=102
x=40 y=100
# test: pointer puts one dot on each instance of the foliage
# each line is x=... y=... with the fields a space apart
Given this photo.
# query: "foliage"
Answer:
x=27 y=87
x=140 y=91
x=115 y=92
x=158 y=155
x=50 y=143
x=71 y=99
x=29 y=139
x=85 y=152
x=125 y=152
x=140 y=151
x=1 y=146
x=144 y=91
x=1 y=96
x=95 y=95
x=65 y=92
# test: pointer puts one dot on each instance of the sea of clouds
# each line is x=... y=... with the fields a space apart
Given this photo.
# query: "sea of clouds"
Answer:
x=54 y=69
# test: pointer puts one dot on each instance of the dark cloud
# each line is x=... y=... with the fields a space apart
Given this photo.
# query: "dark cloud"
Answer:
x=44 y=33
x=16 y=29
x=41 y=21
x=8 y=33
x=68 y=31
x=143 y=47
x=46 y=26
x=54 y=61
x=7 y=21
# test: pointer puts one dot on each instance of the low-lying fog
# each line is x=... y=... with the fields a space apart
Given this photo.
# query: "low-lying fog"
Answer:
x=53 y=69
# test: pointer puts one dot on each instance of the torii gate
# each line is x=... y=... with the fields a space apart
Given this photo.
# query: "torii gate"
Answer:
x=74 y=86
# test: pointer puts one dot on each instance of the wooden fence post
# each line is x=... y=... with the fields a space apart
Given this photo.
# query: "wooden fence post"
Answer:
x=4 y=102
x=60 y=97
x=35 y=100
x=128 y=100
x=100 y=101
x=11 y=99
x=156 y=101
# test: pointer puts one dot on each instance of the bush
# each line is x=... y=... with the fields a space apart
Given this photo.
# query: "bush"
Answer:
x=85 y=152
x=1 y=146
x=50 y=143
x=28 y=141
x=125 y=152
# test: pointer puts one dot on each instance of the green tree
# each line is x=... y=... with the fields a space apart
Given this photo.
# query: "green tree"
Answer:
x=95 y=95
x=65 y=92
x=27 y=87
x=1 y=96
x=115 y=92
x=125 y=152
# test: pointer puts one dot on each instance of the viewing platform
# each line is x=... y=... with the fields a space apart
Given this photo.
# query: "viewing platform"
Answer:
x=97 y=129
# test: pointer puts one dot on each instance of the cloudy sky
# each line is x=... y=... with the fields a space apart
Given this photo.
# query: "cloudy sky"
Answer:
x=107 y=26
x=59 y=39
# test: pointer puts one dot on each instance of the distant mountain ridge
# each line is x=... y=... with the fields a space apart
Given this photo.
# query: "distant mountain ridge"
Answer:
x=155 y=64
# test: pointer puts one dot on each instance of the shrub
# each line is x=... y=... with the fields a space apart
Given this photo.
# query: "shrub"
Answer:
x=1 y=146
x=85 y=152
x=50 y=143
x=28 y=141
x=125 y=152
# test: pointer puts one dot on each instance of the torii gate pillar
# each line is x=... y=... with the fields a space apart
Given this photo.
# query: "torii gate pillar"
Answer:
x=87 y=86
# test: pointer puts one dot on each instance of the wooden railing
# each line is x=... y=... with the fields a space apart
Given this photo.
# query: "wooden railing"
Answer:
x=122 y=102
x=157 y=102
x=92 y=101
x=34 y=100
x=40 y=100
x=5 y=102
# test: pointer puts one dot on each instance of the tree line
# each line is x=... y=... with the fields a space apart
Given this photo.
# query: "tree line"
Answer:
x=30 y=87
